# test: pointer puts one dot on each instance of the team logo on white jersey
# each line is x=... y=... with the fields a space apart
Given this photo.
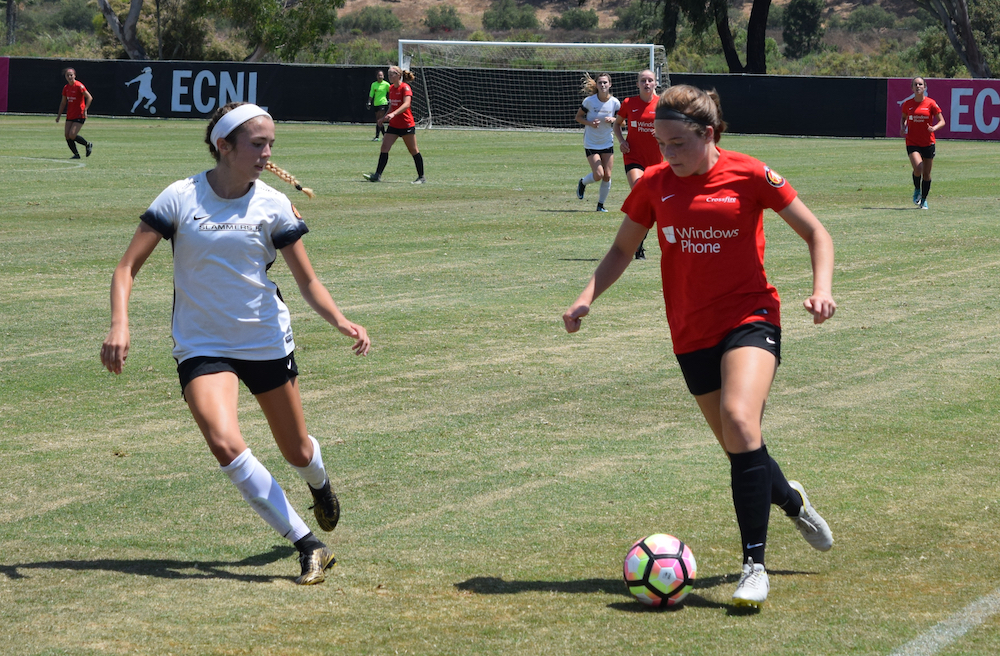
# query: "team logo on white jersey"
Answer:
x=230 y=227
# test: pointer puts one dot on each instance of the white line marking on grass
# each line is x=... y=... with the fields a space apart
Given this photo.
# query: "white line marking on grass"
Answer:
x=72 y=164
x=953 y=628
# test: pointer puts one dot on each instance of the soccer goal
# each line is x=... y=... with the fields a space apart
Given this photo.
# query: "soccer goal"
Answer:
x=505 y=85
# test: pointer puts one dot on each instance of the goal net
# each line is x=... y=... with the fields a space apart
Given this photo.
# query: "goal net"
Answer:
x=502 y=85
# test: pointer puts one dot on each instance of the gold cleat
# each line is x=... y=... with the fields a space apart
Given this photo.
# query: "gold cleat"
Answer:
x=314 y=565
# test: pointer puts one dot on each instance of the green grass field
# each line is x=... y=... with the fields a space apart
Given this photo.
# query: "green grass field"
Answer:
x=493 y=469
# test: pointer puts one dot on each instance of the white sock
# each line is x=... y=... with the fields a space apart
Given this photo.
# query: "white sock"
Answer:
x=265 y=496
x=589 y=178
x=314 y=473
x=605 y=188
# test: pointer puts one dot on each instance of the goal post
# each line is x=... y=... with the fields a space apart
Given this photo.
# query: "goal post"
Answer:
x=511 y=85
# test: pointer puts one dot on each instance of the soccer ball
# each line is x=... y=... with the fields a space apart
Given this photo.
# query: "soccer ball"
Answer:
x=660 y=570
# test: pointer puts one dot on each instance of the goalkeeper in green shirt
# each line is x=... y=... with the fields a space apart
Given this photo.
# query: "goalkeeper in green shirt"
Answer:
x=378 y=98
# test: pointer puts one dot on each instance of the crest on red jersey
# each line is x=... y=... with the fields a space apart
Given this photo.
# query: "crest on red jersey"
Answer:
x=774 y=178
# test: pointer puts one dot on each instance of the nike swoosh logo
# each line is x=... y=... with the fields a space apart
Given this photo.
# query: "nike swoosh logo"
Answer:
x=200 y=218
x=754 y=546
x=666 y=197
x=769 y=340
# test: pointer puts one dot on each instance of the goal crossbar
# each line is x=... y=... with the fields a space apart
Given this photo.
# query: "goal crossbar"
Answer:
x=517 y=85
x=530 y=44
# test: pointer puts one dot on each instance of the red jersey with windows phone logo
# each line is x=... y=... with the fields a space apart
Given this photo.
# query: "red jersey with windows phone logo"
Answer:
x=75 y=101
x=396 y=96
x=711 y=233
x=919 y=117
x=639 y=117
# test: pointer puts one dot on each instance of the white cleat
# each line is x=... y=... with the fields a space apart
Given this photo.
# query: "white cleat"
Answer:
x=753 y=587
x=812 y=527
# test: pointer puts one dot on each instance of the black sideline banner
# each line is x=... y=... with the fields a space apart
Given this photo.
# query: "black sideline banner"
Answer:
x=753 y=104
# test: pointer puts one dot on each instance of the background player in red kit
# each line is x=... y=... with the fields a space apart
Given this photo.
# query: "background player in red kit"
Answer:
x=920 y=120
x=724 y=316
x=75 y=102
x=640 y=149
x=401 y=124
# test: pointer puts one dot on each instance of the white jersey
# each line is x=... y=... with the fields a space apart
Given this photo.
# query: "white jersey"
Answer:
x=224 y=303
x=601 y=137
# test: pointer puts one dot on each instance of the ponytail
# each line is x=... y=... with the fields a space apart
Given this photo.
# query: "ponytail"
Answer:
x=289 y=178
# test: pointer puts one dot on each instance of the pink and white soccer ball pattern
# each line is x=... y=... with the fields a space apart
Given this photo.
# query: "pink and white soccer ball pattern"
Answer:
x=666 y=574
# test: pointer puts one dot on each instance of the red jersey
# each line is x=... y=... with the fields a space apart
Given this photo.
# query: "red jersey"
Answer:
x=919 y=117
x=711 y=234
x=75 y=100
x=396 y=96
x=639 y=117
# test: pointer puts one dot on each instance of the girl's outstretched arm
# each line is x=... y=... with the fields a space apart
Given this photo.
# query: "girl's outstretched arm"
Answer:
x=114 y=350
x=617 y=259
x=820 y=303
x=319 y=299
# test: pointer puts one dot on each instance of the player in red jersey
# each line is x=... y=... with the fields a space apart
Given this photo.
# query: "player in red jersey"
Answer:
x=920 y=120
x=75 y=102
x=724 y=316
x=640 y=149
x=401 y=124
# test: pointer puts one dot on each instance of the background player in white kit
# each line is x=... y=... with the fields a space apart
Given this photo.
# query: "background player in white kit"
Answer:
x=229 y=322
x=597 y=114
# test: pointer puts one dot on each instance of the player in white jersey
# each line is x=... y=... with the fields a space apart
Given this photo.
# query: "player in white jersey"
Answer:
x=229 y=322
x=597 y=114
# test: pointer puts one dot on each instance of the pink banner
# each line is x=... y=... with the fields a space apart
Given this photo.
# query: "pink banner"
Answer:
x=4 y=70
x=971 y=108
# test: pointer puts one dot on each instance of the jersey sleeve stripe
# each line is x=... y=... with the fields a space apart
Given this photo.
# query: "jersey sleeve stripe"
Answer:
x=159 y=224
x=289 y=236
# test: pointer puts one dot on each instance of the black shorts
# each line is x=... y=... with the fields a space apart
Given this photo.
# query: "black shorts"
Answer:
x=258 y=375
x=702 y=369
x=401 y=132
x=599 y=151
x=926 y=152
x=81 y=121
x=633 y=165
x=380 y=108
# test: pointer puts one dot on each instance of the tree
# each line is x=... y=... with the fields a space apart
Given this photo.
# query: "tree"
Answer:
x=283 y=27
x=800 y=27
x=443 y=19
x=509 y=15
x=704 y=13
x=125 y=32
x=954 y=17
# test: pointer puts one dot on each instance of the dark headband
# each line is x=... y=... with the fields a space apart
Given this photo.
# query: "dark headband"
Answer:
x=667 y=114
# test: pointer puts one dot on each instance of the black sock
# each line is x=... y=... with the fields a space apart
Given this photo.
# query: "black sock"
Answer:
x=418 y=159
x=81 y=140
x=916 y=182
x=72 y=146
x=925 y=188
x=309 y=543
x=383 y=159
x=751 y=481
x=782 y=494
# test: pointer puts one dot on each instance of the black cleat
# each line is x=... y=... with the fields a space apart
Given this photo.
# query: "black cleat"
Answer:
x=580 y=189
x=372 y=177
x=640 y=254
x=90 y=148
x=326 y=507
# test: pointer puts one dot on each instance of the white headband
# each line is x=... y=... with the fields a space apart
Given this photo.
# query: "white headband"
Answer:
x=233 y=119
